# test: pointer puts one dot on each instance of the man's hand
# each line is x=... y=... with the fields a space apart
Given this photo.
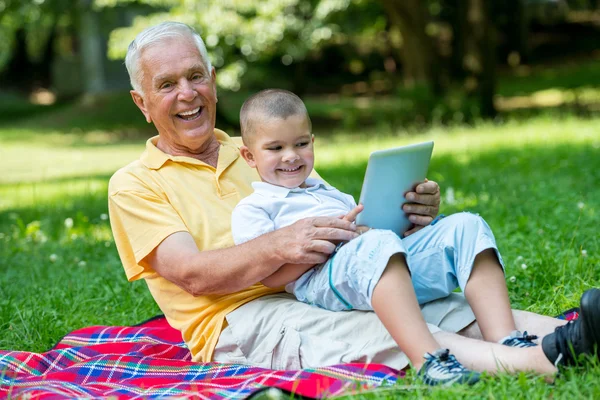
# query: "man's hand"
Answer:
x=424 y=205
x=311 y=240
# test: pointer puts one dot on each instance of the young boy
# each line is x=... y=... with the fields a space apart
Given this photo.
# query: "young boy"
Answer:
x=378 y=270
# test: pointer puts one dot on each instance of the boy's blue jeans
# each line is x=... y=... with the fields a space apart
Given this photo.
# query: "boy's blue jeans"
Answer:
x=440 y=259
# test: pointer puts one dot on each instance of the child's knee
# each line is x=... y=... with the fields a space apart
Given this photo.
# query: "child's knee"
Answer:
x=468 y=224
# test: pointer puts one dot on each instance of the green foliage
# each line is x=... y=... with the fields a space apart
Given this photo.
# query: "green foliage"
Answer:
x=36 y=18
x=239 y=32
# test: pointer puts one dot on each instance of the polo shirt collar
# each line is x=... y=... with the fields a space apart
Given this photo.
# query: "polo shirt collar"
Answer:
x=269 y=190
x=154 y=158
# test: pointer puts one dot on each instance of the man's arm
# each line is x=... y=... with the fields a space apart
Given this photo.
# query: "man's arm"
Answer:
x=424 y=206
x=290 y=272
x=308 y=241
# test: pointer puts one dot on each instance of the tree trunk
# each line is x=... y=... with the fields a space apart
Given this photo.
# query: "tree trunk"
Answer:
x=517 y=29
x=480 y=59
x=44 y=66
x=92 y=57
x=19 y=71
x=299 y=78
x=460 y=33
x=419 y=59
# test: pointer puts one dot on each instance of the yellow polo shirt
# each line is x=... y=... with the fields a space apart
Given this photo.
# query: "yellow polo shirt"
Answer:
x=160 y=194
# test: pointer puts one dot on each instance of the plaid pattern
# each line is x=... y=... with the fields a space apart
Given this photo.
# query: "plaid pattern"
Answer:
x=570 y=314
x=150 y=361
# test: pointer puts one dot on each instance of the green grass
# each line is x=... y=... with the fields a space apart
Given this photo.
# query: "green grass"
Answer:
x=535 y=180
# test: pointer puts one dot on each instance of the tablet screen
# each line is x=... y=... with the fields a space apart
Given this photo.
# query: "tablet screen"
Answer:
x=390 y=175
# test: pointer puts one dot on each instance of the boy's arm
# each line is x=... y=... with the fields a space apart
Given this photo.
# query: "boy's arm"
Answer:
x=285 y=274
x=249 y=222
x=290 y=272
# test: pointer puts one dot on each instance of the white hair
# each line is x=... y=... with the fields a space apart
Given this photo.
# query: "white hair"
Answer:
x=153 y=35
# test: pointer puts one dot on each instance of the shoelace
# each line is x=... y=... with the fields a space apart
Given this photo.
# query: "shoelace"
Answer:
x=523 y=340
x=528 y=338
x=448 y=362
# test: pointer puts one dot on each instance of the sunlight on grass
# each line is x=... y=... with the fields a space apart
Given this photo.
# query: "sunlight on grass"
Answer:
x=39 y=193
x=461 y=142
x=535 y=183
x=45 y=168
x=550 y=98
x=30 y=161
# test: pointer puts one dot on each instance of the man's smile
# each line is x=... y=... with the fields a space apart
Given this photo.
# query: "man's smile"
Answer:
x=191 y=114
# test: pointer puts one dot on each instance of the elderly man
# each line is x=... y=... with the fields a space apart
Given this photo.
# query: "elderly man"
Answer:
x=170 y=213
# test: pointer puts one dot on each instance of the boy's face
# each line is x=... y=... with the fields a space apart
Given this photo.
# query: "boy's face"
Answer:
x=281 y=150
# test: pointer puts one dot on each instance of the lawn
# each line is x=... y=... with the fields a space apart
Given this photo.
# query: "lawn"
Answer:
x=536 y=181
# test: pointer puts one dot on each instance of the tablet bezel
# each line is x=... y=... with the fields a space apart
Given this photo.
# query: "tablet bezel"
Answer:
x=382 y=200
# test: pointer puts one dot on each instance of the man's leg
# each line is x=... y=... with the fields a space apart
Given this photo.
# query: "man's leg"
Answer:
x=492 y=357
x=541 y=325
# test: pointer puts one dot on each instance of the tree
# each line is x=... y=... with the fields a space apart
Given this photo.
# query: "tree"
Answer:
x=418 y=54
x=30 y=29
x=480 y=55
x=27 y=35
x=92 y=55
x=239 y=32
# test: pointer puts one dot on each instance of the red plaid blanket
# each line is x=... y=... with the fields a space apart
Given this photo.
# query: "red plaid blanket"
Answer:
x=150 y=360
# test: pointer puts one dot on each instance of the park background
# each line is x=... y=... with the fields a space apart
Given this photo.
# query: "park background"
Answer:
x=509 y=91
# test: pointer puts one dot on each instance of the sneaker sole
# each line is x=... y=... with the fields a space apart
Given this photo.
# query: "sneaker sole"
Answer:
x=590 y=311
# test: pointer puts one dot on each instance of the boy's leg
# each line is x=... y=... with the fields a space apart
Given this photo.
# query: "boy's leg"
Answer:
x=395 y=303
x=460 y=251
x=487 y=295
x=370 y=273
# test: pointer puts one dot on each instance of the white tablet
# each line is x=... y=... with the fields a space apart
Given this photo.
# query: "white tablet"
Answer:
x=390 y=175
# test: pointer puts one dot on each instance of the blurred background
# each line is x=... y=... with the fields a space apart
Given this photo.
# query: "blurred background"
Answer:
x=388 y=63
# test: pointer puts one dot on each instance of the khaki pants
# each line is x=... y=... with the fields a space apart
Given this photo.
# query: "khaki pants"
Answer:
x=279 y=332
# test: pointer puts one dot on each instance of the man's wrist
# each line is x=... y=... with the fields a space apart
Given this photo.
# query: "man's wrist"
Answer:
x=272 y=252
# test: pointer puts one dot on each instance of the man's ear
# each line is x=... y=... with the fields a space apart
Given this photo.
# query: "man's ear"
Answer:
x=139 y=101
x=312 y=138
x=213 y=74
x=248 y=156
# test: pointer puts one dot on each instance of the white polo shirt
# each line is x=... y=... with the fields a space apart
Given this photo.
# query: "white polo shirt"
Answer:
x=271 y=207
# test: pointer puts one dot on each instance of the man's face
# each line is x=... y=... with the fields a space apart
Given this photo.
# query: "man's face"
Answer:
x=180 y=95
x=282 y=151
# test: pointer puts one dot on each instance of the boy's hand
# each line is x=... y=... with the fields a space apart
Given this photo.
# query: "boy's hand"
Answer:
x=424 y=205
x=351 y=216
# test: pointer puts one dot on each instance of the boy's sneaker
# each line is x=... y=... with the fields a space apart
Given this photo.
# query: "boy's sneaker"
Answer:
x=581 y=336
x=518 y=339
x=441 y=368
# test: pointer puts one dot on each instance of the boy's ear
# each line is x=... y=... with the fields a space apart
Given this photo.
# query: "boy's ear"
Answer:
x=248 y=156
x=139 y=101
x=312 y=138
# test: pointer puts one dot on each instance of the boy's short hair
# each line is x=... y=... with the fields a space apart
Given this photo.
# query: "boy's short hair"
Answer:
x=269 y=103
